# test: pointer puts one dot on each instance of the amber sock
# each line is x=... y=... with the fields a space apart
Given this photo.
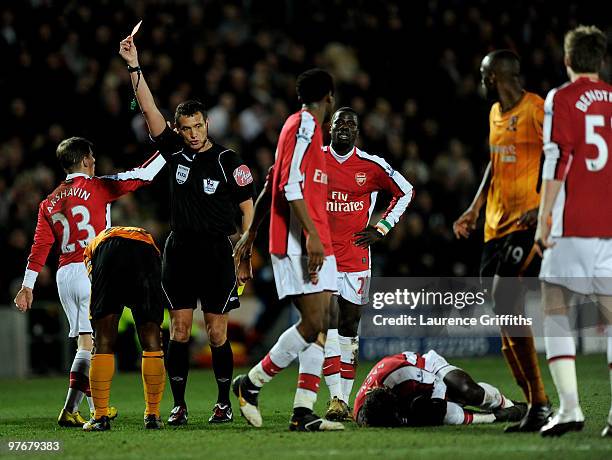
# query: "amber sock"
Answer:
x=515 y=366
x=153 y=380
x=100 y=379
x=525 y=351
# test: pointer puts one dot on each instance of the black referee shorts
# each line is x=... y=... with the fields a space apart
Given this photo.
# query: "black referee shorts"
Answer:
x=202 y=268
x=126 y=273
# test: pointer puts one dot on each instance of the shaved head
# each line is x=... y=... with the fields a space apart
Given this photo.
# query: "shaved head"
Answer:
x=500 y=67
x=503 y=63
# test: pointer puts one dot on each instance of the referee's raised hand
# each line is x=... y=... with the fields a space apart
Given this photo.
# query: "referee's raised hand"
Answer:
x=316 y=256
x=127 y=50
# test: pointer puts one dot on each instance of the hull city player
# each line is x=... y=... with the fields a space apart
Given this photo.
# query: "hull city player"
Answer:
x=125 y=270
x=302 y=254
x=71 y=216
x=354 y=180
x=576 y=191
x=409 y=389
x=509 y=187
x=209 y=186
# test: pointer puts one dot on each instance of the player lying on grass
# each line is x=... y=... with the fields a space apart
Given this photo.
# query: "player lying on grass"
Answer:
x=409 y=389
x=125 y=270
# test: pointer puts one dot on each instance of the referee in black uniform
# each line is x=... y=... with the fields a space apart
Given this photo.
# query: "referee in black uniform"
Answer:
x=208 y=183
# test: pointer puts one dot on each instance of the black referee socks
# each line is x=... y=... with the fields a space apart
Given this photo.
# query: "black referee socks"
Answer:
x=223 y=365
x=177 y=365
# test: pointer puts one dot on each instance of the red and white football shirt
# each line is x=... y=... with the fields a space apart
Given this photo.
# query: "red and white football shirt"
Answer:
x=354 y=181
x=577 y=143
x=405 y=372
x=299 y=172
x=78 y=209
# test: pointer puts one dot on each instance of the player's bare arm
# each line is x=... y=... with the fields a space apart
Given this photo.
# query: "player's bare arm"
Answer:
x=550 y=190
x=244 y=270
x=314 y=246
x=244 y=246
x=155 y=120
x=466 y=223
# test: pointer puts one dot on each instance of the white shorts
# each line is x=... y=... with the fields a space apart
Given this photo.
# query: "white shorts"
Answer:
x=583 y=265
x=74 y=290
x=355 y=286
x=291 y=275
x=437 y=365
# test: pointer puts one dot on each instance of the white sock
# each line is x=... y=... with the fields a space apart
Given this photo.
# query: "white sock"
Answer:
x=609 y=334
x=311 y=363
x=457 y=415
x=331 y=365
x=561 y=355
x=349 y=354
x=79 y=375
x=90 y=403
x=493 y=399
x=284 y=351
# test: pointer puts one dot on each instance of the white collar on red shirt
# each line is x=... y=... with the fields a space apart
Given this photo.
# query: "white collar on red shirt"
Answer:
x=73 y=175
x=341 y=158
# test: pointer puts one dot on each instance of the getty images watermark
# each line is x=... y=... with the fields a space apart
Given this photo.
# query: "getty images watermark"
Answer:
x=428 y=307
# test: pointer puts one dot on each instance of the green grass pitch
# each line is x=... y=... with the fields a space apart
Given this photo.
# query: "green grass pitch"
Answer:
x=28 y=411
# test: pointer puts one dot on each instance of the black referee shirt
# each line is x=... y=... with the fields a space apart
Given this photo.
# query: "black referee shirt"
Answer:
x=205 y=187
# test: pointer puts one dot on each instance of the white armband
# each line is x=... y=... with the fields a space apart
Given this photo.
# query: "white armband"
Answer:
x=29 y=279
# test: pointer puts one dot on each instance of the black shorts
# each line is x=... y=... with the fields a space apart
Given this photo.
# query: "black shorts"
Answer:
x=200 y=268
x=510 y=255
x=126 y=273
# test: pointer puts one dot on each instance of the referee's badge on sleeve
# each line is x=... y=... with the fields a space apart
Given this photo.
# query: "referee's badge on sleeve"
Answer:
x=210 y=186
x=181 y=174
x=242 y=175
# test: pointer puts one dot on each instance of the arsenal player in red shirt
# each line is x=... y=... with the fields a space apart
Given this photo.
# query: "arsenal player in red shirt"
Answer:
x=575 y=219
x=354 y=180
x=302 y=254
x=71 y=216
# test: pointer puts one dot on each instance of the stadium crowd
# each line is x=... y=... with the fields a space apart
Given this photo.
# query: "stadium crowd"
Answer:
x=410 y=69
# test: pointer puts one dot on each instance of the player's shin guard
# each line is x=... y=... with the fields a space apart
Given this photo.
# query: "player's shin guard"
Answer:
x=561 y=356
x=177 y=363
x=223 y=366
x=79 y=380
x=349 y=353
x=331 y=365
x=100 y=379
x=457 y=415
x=284 y=351
x=493 y=399
x=311 y=362
x=153 y=380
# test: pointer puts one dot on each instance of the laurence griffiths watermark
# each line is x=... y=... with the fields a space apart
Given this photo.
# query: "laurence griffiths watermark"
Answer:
x=482 y=320
x=465 y=307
